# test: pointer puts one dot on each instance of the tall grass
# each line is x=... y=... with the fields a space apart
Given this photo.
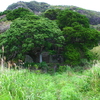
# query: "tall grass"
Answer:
x=70 y=85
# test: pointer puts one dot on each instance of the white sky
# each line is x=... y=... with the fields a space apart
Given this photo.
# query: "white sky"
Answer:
x=86 y=4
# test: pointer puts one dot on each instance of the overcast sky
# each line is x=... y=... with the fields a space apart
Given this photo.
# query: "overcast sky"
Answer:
x=86 y=4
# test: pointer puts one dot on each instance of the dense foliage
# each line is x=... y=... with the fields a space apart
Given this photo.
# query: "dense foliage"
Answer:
x=4 y=12
x=20 y=12
x=38 y=7
x=79 y=38
x=79 y=41
x=30 y=36
x=65 y=33
x=68 y=17
x=52 y=13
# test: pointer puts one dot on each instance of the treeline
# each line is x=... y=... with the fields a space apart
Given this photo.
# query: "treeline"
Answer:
x=65 y=35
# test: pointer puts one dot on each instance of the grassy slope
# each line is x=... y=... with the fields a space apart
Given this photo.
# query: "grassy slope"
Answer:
x=70 y=85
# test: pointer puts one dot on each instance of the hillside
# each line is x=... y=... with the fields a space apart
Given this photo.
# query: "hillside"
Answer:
x=38 y=7
x=34 y=6
x=4 y=26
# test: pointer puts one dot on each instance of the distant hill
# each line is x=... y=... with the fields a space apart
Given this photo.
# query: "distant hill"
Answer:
x=38 y=7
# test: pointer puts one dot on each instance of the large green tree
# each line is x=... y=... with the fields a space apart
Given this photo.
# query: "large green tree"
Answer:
x=30 y=36
x=78 y=42
x=79 y=38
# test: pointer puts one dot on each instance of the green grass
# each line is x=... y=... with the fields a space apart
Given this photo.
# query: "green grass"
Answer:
x=96 y=50
x=69 y=85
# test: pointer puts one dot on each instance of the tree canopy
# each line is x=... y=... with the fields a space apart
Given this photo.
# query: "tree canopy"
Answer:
x=16 y=13
x=30 y=37
x=79 y=38
x=78 y=42
x=68 y=17
x=67 y=33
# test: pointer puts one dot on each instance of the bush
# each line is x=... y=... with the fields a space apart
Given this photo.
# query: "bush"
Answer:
x=64 y=68
x=43 y=66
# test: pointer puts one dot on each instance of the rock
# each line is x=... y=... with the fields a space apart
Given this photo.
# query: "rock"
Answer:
x=4 y=26
x=28 y=59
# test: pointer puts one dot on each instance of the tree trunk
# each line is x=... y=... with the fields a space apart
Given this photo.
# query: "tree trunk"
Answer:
x=2 y=59
x=40 y=58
